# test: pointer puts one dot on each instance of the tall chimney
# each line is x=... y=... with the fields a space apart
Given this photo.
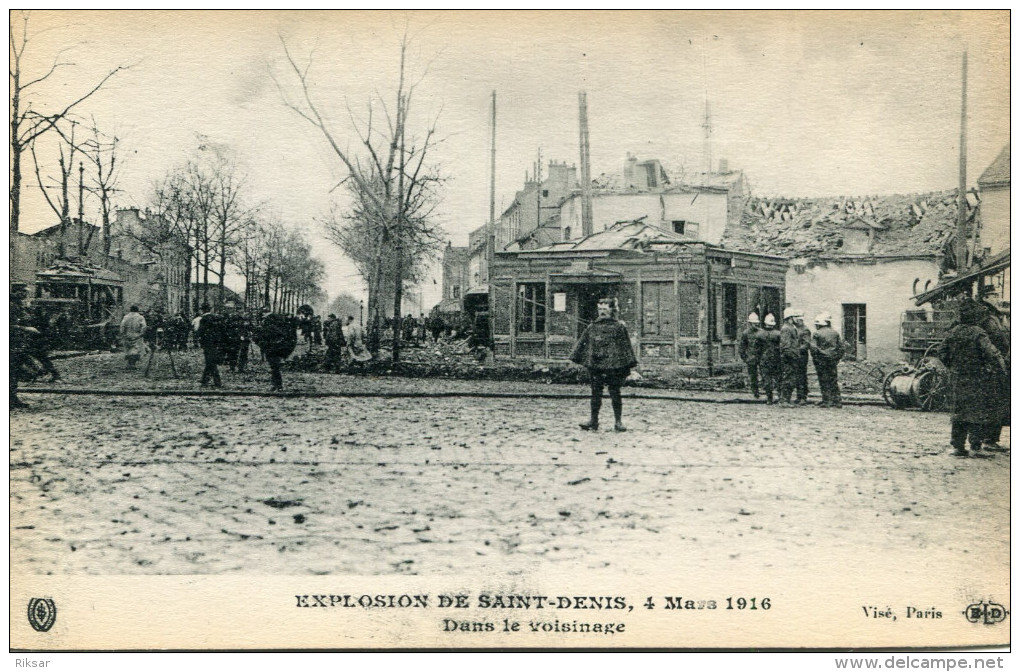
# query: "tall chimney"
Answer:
x=586 y=218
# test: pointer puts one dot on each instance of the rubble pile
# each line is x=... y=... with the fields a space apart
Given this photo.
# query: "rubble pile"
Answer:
x=454 y=360
x=815 y=227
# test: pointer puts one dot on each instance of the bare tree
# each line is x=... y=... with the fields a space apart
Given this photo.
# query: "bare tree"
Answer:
x=27 y=122
x=393 y=188
x=59 y=203
x=101 y=151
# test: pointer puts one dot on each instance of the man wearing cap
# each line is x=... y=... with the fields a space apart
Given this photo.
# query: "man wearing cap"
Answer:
x=827 y=350
x=766 y=344
x=747 y=352
x=789 y=352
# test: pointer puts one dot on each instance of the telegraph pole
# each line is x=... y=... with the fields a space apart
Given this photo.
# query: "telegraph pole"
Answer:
x=490 y=252
x=961 y=212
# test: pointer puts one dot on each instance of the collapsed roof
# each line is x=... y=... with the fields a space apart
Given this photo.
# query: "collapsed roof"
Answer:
x=902 y=225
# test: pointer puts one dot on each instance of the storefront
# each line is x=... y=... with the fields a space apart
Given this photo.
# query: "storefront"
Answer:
x=684 y=302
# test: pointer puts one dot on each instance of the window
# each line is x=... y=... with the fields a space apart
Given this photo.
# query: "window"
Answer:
x=545 y=193
x=688 y=305
x=659 y=309
x=531 y=308
x=729 y=312
x=855 y=332
x=685 y=228
x=456 y=291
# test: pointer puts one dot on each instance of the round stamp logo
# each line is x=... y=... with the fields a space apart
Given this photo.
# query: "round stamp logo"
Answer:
x=42 y=613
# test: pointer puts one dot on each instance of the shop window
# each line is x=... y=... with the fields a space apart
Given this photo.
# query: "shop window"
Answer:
x=659 y=309
x=531 y=308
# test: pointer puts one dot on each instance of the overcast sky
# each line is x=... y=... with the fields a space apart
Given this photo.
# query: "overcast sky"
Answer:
x=807 y=104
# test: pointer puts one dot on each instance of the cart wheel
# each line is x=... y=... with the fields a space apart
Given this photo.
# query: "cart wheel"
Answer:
x=887 y=389
x=931 y=391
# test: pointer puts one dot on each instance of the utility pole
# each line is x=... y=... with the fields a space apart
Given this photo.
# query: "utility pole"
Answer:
x=81 y=209
x=961 y=213
x=490 y=252
x=586 y=216
x=538 y=190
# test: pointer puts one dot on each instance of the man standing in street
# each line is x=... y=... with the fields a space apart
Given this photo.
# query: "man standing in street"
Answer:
x=973 y=361
x=827 y=350
x=804 y=351
x=333 y=335
x=212 y=336
x=132 y=336
x=766 y=342
x=276 y=338
x=605 y=350
x=747 y=352
x=789 y=352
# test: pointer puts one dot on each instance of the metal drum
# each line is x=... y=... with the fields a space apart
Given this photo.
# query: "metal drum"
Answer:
x=923 y=387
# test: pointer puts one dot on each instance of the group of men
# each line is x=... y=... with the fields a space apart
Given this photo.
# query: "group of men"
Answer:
x=224 y=339
x=780 y=357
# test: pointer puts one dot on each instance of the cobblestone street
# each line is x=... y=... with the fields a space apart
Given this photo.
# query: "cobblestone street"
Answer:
x=299 y=485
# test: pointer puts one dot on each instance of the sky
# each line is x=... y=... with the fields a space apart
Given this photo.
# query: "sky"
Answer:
x=805 y=103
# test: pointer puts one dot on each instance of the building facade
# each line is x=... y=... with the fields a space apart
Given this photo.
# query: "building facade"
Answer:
x=683 y=301
x=860 y=260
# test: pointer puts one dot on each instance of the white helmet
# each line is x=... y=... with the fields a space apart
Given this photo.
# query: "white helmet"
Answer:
x=753 y=318
x=770 y=320
x=823 y=318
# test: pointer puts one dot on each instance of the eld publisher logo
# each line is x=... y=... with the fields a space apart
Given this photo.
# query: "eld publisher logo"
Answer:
x=988 y=613
x=42 y=612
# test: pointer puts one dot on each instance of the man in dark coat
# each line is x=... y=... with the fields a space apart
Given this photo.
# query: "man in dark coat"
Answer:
x=333 y=335
x=789 y=353
x=805 y=357
x=972 y=361
x=605 y=349
x=277 y=338
x=212 y=336
x=766 y=344
x=998 y=334
x=747 y=351
x=827 y=350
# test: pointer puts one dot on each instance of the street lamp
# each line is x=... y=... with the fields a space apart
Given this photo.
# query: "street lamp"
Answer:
x=361 y=315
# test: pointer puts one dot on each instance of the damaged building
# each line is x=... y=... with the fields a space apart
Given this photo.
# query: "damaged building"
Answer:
x=684 y=301
x=858 y=259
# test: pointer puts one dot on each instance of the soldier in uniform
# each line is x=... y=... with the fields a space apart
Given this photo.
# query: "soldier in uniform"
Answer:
x=766 y=344
x=972 y=360
x=604 y=348
x=789 y=353
x=212 y=336
x=276 y=338
x=747 y=351
x=827 y=350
